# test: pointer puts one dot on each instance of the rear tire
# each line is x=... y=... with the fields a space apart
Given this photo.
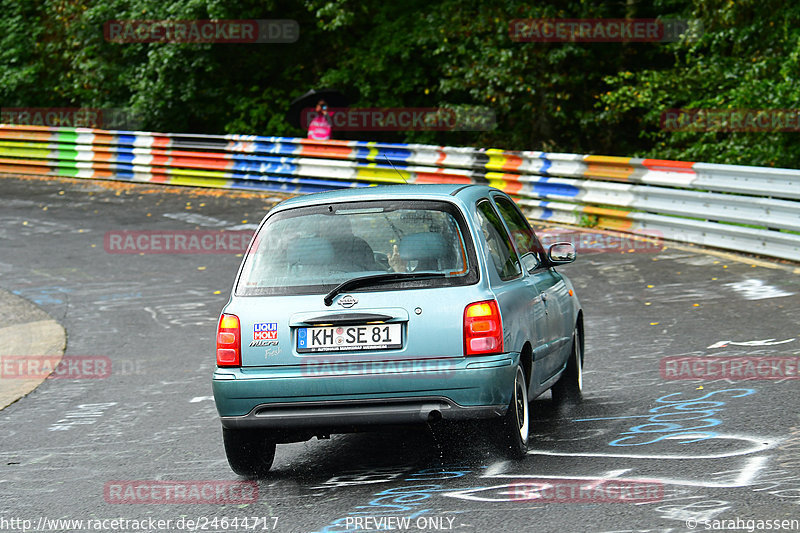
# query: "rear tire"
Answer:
x=514 y=428
x=569 y=388
x=250 y=452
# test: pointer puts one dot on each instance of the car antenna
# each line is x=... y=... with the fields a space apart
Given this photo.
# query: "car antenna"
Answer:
x=395 y=169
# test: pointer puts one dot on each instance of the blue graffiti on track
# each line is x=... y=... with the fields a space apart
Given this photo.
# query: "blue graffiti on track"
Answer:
x=44 y=295
x=666 y=421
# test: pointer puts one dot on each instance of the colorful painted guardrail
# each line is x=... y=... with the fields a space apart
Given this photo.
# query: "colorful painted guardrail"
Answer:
x=749 y=209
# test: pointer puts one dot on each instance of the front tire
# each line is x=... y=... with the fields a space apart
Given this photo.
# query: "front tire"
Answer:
x=514 y=428
x=250 y=452
x=569 y=388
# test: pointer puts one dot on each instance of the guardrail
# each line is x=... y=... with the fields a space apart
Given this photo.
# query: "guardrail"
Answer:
x=748 y=209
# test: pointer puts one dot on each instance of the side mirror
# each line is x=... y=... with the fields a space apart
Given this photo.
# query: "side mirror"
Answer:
x=561 y=253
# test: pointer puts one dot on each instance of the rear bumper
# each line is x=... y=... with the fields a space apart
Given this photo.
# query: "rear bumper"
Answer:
x=357 y=413
x=296 y=398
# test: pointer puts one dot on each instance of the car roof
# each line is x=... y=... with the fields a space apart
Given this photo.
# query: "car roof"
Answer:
x=391 y=192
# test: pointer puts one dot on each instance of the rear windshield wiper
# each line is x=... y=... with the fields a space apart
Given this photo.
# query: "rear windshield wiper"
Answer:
x=378 y=279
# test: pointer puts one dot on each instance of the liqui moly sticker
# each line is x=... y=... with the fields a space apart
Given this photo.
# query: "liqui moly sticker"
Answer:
x=265 y=331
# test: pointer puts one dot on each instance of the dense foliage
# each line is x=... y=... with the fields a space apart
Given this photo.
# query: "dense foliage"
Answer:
x=605 y=98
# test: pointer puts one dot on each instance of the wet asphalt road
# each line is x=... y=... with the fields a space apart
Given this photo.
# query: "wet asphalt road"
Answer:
x=705 y=450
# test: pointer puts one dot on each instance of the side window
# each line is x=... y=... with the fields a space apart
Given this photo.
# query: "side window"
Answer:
x=526 y=241
x=503 y=255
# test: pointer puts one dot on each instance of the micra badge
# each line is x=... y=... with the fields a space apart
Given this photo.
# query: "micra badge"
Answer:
x=263 y=343
x=347 y=301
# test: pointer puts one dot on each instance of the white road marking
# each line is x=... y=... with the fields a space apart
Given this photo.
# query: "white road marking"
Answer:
x=755 y=289
x=198 y=399
x=765 y=342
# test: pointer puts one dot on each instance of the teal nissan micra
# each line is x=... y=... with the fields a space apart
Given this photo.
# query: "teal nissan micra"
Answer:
x=393 y=305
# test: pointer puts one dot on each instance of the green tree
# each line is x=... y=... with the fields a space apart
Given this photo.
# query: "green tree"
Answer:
x=603 y=98
x=747 y=58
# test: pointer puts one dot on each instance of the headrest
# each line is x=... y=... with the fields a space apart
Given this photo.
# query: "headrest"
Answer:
x=423 y=246
x=310 y=251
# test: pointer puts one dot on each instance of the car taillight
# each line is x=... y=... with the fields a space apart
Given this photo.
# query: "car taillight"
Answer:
x=229 y=351
x=483 y=328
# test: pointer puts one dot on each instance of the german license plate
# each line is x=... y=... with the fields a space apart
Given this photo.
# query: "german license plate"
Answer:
x=348 y=338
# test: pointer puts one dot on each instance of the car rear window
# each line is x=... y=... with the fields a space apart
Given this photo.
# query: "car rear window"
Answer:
x=306 y=250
